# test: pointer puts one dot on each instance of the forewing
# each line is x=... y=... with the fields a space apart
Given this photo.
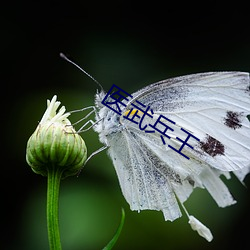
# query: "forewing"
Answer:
x=214 y=108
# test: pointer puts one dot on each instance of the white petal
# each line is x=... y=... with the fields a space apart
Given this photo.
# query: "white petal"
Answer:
x=200 y=228
x=50 y=110
x=51 y=114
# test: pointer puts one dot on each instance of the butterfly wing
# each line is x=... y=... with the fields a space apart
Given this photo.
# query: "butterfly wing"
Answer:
x=212 y=107
x=151 y=175
x=138 y=170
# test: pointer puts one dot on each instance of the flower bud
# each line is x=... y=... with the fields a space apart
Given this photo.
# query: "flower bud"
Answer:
x=55 y=144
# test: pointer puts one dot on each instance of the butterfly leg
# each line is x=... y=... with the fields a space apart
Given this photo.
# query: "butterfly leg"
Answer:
x=81 y=129
x=91 y=155
x=96 y=152
x=86 y=116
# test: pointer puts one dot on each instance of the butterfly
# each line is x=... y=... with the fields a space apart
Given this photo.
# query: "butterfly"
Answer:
x=212 y=107
x=206 y=135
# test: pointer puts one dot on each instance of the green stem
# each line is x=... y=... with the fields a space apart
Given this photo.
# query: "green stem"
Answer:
x=54 y=177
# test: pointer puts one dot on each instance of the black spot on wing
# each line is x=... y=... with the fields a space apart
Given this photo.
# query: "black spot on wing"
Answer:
x=233 y=119
x=212 y=146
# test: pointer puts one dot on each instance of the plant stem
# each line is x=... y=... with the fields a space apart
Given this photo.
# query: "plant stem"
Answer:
x=54 y=177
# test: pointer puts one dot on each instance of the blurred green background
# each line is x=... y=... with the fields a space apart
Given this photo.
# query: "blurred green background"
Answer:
x=118 y=43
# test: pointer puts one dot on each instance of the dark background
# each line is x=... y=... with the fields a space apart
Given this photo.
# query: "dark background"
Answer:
x=130 y=44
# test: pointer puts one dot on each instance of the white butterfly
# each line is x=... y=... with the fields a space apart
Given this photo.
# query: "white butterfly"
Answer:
x=213 y=107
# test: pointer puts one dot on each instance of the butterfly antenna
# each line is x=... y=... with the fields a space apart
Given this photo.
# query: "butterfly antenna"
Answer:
x=68 y=60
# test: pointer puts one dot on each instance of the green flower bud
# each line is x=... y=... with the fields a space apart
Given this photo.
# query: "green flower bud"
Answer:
x=55 y=144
